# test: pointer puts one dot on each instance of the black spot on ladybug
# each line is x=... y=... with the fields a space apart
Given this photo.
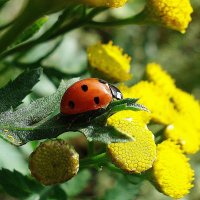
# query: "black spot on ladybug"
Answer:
x=102 y=81
x=71 y=104
x=84 y=88
x=96 y=100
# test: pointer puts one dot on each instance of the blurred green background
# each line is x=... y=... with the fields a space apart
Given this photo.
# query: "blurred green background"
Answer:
x=178 y=53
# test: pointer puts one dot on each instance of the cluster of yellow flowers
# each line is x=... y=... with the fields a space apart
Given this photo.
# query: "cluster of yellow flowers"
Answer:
x=174 y=109
x=171 y=14
x=184 y=125
x=178 y=111
x=168 y=13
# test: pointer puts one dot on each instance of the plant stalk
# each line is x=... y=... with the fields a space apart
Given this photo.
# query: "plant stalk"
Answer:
x=25 y=19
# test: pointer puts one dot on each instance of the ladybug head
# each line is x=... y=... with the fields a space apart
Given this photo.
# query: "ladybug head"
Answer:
x=115 y=92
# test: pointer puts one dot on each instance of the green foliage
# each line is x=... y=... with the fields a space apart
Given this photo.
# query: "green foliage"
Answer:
x=14 y=92
x=18 y=126
x=31 y=31
x=76 y=185
x=18 y=185
x=23 y=187
x=55 y=192
x=123 y=189
x=2 y=2
x=104 y=134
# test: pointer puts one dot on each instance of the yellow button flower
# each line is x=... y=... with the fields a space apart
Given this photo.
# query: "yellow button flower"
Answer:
x=187 y=105
x=175 y=14
x=109 y=61
x=106 y=3
x=183 y=132
x=185 y=129
x=162 y=79
x=172 y=171
x=152 y=97
x=138 y=155
x=54 y=161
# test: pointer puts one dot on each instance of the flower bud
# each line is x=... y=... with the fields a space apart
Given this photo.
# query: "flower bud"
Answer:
x=54 y=161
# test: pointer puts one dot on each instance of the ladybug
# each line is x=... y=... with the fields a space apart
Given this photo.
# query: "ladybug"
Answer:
x=88 y=95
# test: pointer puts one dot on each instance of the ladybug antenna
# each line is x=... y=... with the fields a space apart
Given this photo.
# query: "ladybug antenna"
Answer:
x=115 y=92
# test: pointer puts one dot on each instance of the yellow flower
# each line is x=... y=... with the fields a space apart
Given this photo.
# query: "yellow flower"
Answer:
x=138 y=155
x=109 y=61
x=53 y=162
x=106 y=3
x=172 y=171
x=162 y=79
x=182 y=132
x=185 y=129
x=152 y=97
x=187 y=105
x=175 y=14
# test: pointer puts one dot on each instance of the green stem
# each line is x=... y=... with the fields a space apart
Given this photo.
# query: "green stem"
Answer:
x=94 y=160
x=90 y=148
x=111 y=167
x=96 y=11
x=44 y=193
x=136 y=19
x=4 y=26
x=74 y=25
x=22 y=22
x=42 y=39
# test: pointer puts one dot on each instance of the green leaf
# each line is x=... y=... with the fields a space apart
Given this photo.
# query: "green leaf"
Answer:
x=123 y=189
x=76 y=185
x=120 y=105
x=34 y=121
x=18 y=185
x=105 y=134
x=31 y=31
x=52 y=193
x=24 y=187
x=14 y=92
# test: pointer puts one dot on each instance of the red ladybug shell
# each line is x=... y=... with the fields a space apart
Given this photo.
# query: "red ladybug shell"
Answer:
x=86 y=95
